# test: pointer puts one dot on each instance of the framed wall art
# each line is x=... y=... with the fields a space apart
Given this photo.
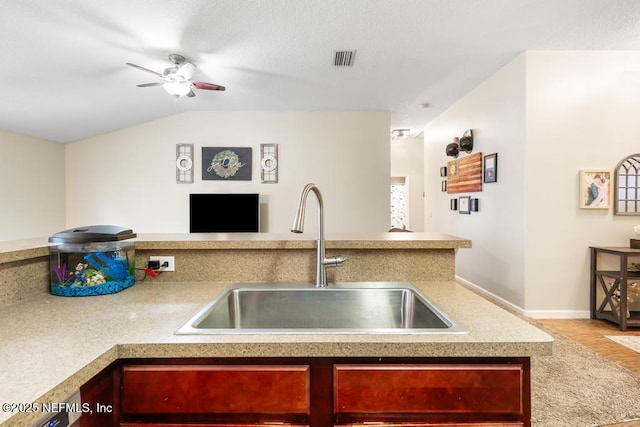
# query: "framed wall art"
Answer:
x=490 y=169
x=443 y=186
x=443 y=171
x=226 y=163
x=453 y=204
x=465 y=174
x=464 y=205
x=595 y=189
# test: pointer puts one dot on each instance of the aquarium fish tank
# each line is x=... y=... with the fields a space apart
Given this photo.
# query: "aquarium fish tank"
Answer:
x=92 y=260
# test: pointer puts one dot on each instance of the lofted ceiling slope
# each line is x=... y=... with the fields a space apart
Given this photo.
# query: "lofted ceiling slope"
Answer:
x=64 y=77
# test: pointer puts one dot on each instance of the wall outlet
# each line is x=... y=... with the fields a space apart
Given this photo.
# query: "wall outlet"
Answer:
x=167 y=263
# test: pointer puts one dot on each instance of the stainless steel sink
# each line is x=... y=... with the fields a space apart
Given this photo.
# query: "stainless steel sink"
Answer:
x=369 y=307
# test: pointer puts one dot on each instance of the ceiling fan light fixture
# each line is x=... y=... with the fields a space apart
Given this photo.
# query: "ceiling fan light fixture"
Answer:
x=176 y=79
x=177 y=88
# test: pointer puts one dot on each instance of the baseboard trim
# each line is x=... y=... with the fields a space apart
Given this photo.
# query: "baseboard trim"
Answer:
x=534 y=314
x=558 y=314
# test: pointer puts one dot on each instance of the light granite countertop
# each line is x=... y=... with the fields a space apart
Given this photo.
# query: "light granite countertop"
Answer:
x=18 y=250
x=51 y=345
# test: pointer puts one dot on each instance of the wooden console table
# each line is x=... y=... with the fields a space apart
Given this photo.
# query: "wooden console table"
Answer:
x=610 y=307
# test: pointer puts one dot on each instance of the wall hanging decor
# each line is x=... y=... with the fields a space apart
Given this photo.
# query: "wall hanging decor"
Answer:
x=465 y=174
x=458 y=145
x=269 y=163
x=474 y=205
x=490 y=168
x=453 y=204
x=226 y=163
x=464 y=205
x=443 y=171
x=466 y=142
x=184 y=163
x=595 y=188
x=626 y=192
x=443 y=186
x=453 y=148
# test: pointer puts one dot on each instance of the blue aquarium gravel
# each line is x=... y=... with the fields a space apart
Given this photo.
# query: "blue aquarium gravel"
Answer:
x=100 y=289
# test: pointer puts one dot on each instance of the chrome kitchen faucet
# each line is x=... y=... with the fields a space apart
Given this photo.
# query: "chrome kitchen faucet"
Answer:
x=322 y=262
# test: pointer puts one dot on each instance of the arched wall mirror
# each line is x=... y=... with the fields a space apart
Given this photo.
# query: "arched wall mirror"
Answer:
x=627 y=186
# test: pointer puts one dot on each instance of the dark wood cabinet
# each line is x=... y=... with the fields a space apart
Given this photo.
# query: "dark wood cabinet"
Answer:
x=317 y=392
x=392 y=390
x=433 y=425
x=220 y=389
x=197 y=425
x=99 y=392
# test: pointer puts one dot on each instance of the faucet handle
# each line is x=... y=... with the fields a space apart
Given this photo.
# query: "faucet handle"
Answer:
x=334 y=261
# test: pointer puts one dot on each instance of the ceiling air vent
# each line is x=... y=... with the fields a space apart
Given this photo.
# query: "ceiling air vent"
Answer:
x=344 y=58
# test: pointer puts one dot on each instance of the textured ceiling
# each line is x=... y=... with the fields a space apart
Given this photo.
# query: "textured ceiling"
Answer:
x=63 y=75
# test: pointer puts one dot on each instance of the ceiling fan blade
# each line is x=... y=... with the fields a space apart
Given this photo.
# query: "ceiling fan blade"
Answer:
x=149 y=84
x=185 y=70
x=145 y=69
x=207 y=86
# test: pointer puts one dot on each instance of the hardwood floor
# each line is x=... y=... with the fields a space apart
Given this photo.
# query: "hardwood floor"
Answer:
x=592 y=334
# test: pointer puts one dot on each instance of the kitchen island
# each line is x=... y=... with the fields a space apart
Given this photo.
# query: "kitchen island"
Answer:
x=53 y=345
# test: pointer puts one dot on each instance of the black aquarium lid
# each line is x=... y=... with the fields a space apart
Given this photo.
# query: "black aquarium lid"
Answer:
x=93 y=233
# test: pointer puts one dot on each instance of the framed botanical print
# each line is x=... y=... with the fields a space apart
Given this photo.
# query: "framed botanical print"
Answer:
x=595 y=189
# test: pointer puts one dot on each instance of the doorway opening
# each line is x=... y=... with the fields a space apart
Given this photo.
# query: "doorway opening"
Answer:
x=400 y=202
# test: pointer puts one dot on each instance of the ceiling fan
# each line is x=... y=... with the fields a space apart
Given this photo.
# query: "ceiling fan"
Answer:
x=176 y=79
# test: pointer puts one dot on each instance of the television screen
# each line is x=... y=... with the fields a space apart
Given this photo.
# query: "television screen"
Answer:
x=224 y=213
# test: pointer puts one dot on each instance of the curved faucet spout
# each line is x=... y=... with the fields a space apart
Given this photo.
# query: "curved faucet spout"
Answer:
x=322 y=262
x=298 y=220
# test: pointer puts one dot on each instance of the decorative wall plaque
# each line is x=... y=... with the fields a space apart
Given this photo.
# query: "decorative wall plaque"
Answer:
x=465 y=174
x=269 y=163
x=226 y=163
x=184 y=163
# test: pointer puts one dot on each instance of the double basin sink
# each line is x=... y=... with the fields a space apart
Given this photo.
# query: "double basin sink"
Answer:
x=354 y=307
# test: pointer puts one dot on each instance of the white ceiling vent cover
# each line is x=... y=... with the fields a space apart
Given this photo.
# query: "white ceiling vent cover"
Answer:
x=344 y=58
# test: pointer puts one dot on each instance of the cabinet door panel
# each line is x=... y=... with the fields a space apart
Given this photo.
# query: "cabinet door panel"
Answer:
x=433 y=425
x=201 y=425
x=486 y=389
x=223 y=389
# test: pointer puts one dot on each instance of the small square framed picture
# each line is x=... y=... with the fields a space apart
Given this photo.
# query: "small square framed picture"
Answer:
x=443 y=171
x=464 y=205
x=453 y=204
x=443 y=186
x=490 y=170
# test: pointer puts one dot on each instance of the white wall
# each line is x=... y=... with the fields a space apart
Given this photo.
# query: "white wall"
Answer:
x=495 y=112
x=127 y=177
x=547 y=115
x=32 y=186
x=582 y=112
x=407 y=159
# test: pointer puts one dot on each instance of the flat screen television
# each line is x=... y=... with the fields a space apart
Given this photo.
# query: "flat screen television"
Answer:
x=224 y=213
